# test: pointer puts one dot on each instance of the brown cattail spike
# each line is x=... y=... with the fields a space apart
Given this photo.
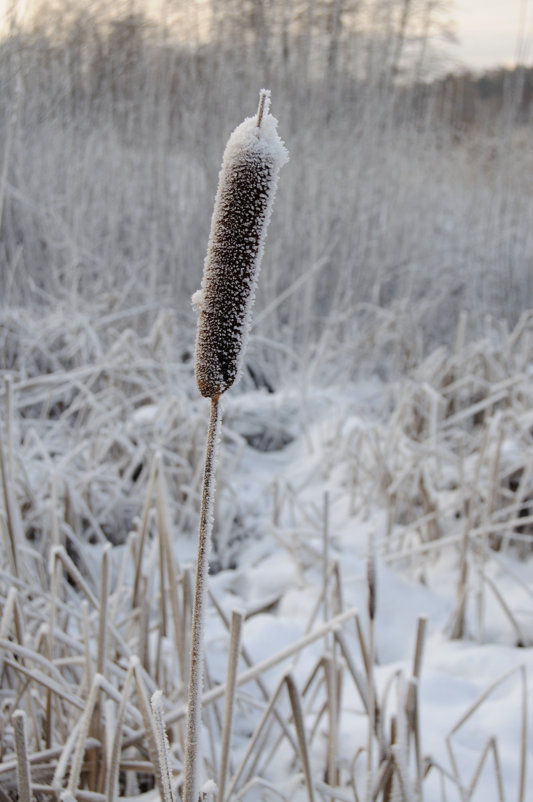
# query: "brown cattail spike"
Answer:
x=247 y=186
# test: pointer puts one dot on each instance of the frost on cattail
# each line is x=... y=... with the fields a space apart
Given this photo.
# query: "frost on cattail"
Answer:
x=247 y=185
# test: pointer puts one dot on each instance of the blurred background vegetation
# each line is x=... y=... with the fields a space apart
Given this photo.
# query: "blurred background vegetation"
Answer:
x=406 y=202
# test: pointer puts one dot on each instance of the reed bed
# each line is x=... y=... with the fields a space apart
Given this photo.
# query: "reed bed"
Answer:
x=109 y=156
x=411 y=469
x=107 y=447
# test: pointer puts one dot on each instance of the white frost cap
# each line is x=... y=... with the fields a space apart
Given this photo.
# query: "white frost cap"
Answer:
x=260 y=135
x=247 y=186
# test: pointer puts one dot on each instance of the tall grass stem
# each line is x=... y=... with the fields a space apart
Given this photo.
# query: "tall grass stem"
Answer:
x=21 y=748
x=194 y=701
x=237 y=619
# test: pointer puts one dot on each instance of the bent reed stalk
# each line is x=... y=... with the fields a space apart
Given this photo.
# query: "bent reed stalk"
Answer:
x=247 y=186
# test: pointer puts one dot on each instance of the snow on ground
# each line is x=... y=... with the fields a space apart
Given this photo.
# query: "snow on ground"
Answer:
x=277 y=556
x=431 y=474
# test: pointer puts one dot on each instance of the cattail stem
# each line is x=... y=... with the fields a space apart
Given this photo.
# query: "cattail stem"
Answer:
x=264 y=101
x=194 y=701
x=247 y=186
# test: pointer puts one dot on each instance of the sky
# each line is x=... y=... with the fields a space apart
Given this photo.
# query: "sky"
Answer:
x=488 y=32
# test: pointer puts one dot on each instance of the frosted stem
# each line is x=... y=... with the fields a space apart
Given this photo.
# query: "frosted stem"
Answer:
x=299 y=725
x=103 y=612
x=162 y=746
x=229 y=703
x=194 y=701
x=21 y=748
x=264 y=103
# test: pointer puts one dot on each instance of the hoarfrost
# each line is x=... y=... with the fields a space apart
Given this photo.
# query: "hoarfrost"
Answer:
x=243 y=205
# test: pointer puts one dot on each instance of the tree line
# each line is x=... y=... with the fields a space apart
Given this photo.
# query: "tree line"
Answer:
x=338 y=54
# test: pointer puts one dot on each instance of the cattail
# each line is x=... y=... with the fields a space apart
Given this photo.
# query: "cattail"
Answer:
x=247 y=185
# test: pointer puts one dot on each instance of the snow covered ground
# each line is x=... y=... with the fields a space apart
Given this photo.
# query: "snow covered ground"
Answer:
x=377 y=470
x=418 y=490
x=473 y=691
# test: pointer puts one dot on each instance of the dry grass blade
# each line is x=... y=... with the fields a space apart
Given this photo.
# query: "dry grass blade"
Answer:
x=481 y=698
x=299 y=724
x=524 y=737
x=490 y=747
x=23 y=765
x=37 y=676
x=172 y=568
x=237 y=619
x=521 y=638
x=385 y=778
x=359 y=681
x=457 y=623
x=269 y=662
x=162 y=747
x=371 y=606
x=333 y=708
x=142 y=535
x=523 y=730
x=412 y=700
x=103 y=621
x=111 y=790
x=12 y=521
x=405 y=789
x=259 y=680
x=363 y=647
x=85 y=723
x=475 y=409
x=65 y=757
x=312 y=688
x=76 y=576
x=148 y=722
x=325 y=557
x=260 y=728
x=59 y=554
x=11 y=617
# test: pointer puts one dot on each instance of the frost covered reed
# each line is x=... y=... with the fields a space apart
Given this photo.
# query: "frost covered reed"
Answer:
x=247 y=185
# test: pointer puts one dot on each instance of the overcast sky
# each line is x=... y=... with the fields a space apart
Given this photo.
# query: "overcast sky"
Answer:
x=488 y=31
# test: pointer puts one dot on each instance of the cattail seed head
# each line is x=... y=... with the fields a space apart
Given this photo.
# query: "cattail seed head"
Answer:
x=247 y=185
